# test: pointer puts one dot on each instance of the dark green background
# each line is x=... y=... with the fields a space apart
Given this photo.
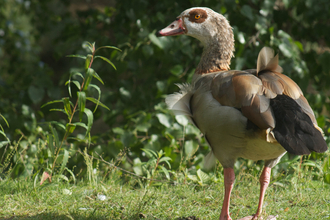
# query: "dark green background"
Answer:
x=36 y=36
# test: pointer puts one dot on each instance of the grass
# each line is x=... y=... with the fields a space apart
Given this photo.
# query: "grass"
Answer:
x=290 y=198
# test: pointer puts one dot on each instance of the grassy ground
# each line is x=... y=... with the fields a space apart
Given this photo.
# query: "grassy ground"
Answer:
x=291 y=198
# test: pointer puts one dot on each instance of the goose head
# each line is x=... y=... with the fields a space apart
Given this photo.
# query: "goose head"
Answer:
x=212 y=29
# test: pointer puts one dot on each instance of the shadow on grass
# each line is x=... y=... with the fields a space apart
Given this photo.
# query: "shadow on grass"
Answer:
x=47 y=216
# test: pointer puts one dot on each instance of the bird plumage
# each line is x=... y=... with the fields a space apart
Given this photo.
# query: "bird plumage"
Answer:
x=257 y=114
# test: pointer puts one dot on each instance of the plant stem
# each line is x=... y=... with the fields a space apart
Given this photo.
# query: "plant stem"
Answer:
x=73 y=112
x=154 y=171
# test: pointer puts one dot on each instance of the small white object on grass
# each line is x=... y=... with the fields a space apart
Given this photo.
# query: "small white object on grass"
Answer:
x=67 y=192
x=101 y=197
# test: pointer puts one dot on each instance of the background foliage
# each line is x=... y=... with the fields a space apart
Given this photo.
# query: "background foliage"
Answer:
x=36 y=36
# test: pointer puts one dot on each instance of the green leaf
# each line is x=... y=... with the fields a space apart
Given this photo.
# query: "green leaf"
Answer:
x=193 y=178
x=65 y=191
x=89 y=76
x=155 y=40
x=108 y=47
x=151 y=162
x=166 y=172
x=98 y=77
x=137 y=166
x=4 y=120
x=90 y=119
x=202 y=176
x=81 y=103
x=88 y=61
x=58 y=124
x=286 y=50
x=177 y=70
x=182 y=120
x=124 y=92
x=97 y=89
x=283 y=34
x=57 y=140
x=161 y=85
x=74 y=73
x=4 y=143
x=70 y=127
x=99 y=92
x=51 y=102
x=241 y=38
x=327 y=178
x=190 y=148
x=3 y=133
x=164 y=119
x=97 y=102
x=69 y=85
x=127 y=138
x=150 y=153
x=80 y=124
x=88 y=45
x=58 y=110
x=143 y=127
x=77 y=56
x=65 y=160
x=71 y=173
x=35 y=179
x=76 y=83
x=76 y=139
x=118 y=130
x=107 y=60
x=247 y=12
x=160 y=153
x=50 y=142
x=67 y=107
x=299 y=45
x=166 y=160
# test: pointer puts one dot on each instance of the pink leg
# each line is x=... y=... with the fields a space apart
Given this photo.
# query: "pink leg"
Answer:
x=264 y=182
x=229 y=182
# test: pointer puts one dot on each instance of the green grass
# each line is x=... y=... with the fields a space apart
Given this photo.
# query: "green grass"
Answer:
x=290 y=198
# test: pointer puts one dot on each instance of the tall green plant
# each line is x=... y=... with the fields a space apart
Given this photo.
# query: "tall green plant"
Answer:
x=56 y=143
x=3 y=160
x=2 y=132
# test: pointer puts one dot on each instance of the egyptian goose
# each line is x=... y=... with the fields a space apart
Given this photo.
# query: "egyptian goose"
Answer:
x=257 y=114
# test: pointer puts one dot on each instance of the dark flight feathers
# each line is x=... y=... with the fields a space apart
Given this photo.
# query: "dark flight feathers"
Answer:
x=294 y=129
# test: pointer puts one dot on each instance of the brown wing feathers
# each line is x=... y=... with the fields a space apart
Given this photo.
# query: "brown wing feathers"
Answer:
x=267 y=62
x=270 y=99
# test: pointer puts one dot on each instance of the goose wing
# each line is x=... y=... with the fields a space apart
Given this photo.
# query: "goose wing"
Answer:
x=271 y=100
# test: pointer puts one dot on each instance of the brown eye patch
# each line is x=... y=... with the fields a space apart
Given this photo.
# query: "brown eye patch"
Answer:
x=197 y=15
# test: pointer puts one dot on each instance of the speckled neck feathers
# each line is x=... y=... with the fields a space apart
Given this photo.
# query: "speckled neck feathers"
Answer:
x=218 y=44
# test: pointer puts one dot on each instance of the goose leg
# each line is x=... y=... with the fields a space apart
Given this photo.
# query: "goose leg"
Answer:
x=229 y=178
x=264 y=182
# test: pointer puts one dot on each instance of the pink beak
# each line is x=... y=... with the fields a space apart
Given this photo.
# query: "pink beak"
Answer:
x=175 y=28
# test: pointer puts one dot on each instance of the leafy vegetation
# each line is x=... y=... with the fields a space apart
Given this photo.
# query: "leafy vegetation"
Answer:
x=134 y=139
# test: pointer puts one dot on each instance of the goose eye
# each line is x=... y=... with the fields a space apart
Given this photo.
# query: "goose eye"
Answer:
x=197 y=17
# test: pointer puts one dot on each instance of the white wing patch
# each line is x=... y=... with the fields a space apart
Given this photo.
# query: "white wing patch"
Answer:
x=179 y=102
x=210 y=160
